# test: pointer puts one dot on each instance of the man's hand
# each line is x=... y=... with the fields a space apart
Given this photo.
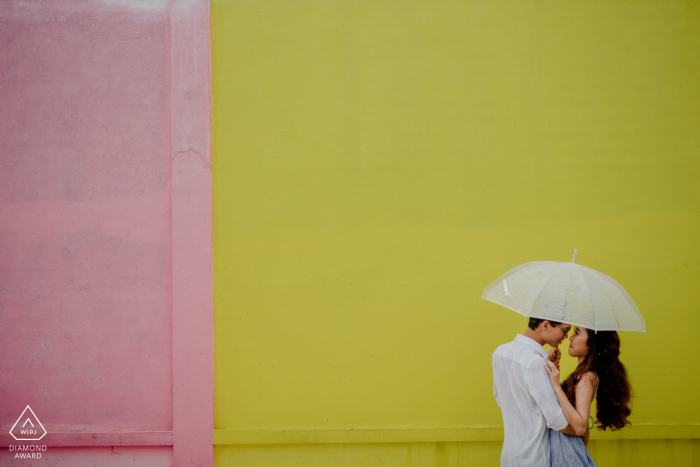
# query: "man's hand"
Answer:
x=554 y=356
x=586 y=436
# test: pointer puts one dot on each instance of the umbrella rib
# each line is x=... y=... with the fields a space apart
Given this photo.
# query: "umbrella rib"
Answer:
x=542 y=290
x=588 y=287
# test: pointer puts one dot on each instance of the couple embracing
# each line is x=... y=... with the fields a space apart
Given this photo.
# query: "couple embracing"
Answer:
x=546 y=422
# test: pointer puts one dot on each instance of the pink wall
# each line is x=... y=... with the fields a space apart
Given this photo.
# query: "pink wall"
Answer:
x=105 y=211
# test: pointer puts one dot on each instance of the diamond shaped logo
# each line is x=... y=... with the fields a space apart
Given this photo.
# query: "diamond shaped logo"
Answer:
x=28 y=427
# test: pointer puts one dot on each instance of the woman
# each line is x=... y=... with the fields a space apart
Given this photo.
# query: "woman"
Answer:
x=599 y=372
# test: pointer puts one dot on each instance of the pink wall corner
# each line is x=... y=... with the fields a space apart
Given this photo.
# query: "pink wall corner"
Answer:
x=193 y=369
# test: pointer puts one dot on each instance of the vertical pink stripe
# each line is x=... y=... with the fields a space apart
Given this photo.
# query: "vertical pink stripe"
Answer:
x=193 y=403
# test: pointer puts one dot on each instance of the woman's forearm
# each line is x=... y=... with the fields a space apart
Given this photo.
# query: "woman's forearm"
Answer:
x=572 y=416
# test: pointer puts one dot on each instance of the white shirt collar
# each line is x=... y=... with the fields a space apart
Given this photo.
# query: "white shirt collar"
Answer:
x=532 y=343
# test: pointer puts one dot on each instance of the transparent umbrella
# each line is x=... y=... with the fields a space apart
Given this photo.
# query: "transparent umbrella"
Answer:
x=567 y=293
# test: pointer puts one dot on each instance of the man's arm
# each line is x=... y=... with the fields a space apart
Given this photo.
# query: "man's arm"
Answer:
x=537 y=383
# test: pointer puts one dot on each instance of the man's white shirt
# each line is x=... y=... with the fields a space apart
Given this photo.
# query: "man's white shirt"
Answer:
x=523 y=392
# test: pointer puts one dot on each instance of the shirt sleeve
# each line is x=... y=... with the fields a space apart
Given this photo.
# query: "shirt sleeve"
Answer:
x=537 y=383
x=495 y=375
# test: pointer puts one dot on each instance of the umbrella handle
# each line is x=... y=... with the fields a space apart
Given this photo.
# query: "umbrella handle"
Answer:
x=574 y=260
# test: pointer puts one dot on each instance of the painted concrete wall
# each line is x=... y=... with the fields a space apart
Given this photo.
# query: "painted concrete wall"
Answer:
x=376 y=164
x=105 y=212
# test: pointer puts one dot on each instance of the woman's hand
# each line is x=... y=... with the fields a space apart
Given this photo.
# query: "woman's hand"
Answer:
x=553 y=373
x=555 y=355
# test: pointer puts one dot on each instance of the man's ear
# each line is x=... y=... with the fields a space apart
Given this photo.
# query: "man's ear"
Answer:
x=546 y=325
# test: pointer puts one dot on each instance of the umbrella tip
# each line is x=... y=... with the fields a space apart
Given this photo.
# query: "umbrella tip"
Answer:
x=574 y=260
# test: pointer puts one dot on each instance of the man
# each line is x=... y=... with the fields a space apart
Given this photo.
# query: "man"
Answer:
x=523 y=392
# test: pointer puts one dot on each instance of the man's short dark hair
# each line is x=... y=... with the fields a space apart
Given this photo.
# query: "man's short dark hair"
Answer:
x=534 y=322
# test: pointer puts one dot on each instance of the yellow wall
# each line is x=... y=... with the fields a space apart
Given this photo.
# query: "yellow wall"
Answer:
x=376 y=164
x=658 y=452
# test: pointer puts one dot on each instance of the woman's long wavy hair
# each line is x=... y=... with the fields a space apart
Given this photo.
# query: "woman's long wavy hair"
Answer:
x=614 y=391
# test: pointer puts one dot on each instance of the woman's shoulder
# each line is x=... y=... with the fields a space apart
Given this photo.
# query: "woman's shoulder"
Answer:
x=588 y=378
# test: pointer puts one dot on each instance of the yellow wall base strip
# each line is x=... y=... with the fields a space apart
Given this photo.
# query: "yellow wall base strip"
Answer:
x=427 y=434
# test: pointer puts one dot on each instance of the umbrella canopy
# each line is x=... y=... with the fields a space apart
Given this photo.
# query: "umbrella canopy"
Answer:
x=567 y=293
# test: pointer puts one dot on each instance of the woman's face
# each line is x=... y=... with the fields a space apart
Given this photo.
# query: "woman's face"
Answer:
x=579 y=342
